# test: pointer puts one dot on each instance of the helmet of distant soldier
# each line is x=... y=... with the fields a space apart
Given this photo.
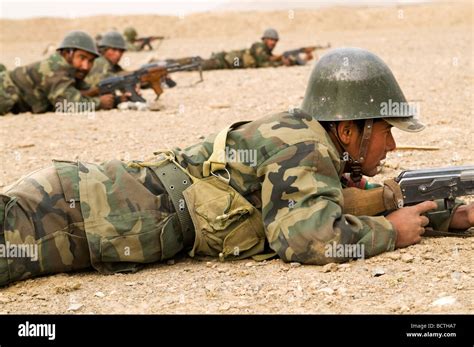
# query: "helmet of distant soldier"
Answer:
x=130 y=33
x=79 y=40
x=270 y=33
x=112 y=39
x=353 y=84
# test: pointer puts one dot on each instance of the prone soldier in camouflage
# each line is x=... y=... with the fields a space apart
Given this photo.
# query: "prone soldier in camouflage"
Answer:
x=111 y=48
x=117 y=216
x=258 y=55
x=41 y=86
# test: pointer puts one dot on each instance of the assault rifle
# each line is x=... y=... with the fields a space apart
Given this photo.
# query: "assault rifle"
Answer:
x=446 y=183
x=294 y=55
x=149 y=75
x=146 y=41
x=416 y=186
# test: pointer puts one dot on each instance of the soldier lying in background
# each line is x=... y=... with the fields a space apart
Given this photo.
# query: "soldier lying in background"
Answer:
x=41 y=86
x=271 y=186
x=260 y=54
x=137 y=44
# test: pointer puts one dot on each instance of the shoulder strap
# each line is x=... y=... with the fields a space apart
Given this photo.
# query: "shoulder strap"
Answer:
x=217 y=160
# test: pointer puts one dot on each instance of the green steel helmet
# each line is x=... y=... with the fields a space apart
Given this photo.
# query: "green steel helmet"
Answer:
x=79 y=40
x=130 y=33
x=352 y=84
x=270 y=33
x=112 y=39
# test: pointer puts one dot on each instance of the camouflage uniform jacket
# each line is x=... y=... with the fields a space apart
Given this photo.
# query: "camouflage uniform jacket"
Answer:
x=294 y=177
x=132 y=47
x=102 y=69
x=43 y=84
x=262 y=55
x=258 y=55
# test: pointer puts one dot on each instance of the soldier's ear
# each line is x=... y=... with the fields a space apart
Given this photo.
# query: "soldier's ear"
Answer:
x=345 y=131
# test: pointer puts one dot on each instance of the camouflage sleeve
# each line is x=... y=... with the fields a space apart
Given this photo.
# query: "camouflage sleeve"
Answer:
x=94 y=77
x=262 y=57
x=101 y=70
x=62 y=88
x=131 y=47
x=302 y=209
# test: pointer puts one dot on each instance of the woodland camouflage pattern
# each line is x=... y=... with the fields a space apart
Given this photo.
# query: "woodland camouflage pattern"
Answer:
x=114 y=216
x=258 y=55
x=38 y=87
x=101 y=69
x=70 y=220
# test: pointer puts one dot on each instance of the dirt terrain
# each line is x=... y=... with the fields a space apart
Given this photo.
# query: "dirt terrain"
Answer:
x=430 y=51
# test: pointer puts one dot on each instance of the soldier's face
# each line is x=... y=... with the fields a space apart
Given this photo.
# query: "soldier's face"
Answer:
x=82 y=61
x=113 y=55
x=270 y=43
x=381 y=142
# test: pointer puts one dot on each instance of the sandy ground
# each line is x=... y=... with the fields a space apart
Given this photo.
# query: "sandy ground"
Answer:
x=430 y=51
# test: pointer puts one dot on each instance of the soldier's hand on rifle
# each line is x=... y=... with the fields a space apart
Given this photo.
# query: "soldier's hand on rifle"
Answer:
x=463 y=217
x=286 y=61
x=409 y=223
x=124 y=97
x=107 y=101
x=276 y=57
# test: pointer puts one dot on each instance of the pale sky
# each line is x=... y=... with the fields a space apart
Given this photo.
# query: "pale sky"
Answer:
x=17 y=9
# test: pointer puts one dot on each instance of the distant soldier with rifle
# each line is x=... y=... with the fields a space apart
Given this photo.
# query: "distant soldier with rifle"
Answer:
x=43 y=86
x=260 y=54
x=273 y=186
x=136 y=44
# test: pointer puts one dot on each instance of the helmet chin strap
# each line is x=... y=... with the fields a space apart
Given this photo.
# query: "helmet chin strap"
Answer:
x=356 y=164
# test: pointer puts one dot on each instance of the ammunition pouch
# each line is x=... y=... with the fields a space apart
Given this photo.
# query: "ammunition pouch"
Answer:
x=225 y=223
x=248 y=59
x=240 y=59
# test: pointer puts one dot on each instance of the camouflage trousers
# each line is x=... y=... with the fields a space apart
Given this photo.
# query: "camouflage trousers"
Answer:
x=215 y=62
x=9 y=93
x=76 y=215
x=229 y=60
